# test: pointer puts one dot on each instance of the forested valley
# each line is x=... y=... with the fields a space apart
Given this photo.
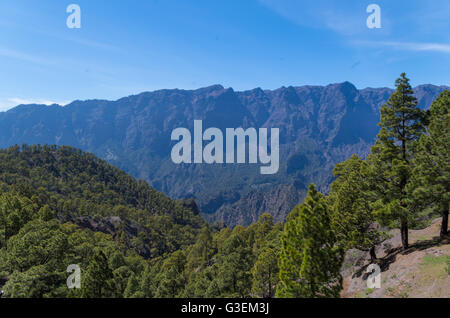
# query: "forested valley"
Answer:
x=61 y=206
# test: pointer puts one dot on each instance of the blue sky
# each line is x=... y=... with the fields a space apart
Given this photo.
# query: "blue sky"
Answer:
x=126 y=47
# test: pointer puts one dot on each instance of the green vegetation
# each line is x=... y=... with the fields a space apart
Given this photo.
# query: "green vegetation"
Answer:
x=310 y=260
x=431 y=177
x=45 y=192
x=60 y=206
x=435 y=267
x=391 y=159
x=369 y=291
x=433 y=260
x=353 y=219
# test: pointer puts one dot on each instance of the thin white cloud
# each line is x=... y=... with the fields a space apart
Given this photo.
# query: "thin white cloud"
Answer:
x=410 y=46
x=348 y=18
x=8 y=103
x=93 y=44
x=321 y=14
x=60 y=36
x=5 y=52
x=70 y=64
x=20 y=101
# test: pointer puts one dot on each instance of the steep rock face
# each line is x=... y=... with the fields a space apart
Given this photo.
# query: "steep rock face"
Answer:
x=319 y=126
x=276 y=200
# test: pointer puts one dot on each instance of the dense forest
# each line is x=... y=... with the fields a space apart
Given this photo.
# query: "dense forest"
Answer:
x=61 y=206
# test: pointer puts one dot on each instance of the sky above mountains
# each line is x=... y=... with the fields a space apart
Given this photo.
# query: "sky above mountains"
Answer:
x=125 y=47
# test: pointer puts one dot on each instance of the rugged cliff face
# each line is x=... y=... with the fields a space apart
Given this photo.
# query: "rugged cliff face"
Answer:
x=319 y=126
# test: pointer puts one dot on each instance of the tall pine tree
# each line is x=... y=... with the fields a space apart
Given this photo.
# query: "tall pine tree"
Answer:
x=431 y=186
x=402 y=123
x=310 y=260
x=350 y=198
x=265 y=274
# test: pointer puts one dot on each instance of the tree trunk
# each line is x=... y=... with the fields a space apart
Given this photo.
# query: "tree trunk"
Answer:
x=444 y=226
x=373 y=255
x=404 y=233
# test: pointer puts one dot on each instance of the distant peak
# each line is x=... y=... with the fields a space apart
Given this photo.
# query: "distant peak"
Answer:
x=347 y=85
x=32 y=106
x=216 y=87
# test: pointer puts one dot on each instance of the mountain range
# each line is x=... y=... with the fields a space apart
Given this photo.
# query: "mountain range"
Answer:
x=319 y=127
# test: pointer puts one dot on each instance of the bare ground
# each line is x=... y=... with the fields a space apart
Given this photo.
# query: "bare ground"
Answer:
x=417 y=272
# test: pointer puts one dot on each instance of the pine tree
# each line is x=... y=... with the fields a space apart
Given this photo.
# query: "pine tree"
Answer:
x=310 y=260
x=132 y=287
x=234 y=266
x=201 y=251
x=431 y=186
x=265 y=274
x=350 y=198
x=263 y=229
x=402 y=123
x=172 y=281
x=46 y=214
x=147 y=283
x=97 y=281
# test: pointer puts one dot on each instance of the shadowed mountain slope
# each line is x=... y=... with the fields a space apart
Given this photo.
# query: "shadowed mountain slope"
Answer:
x=319 y=126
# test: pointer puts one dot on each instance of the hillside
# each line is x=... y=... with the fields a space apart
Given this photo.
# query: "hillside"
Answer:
x=419 y=272
x=319 y=127
x=74 y=185
x=60 y=206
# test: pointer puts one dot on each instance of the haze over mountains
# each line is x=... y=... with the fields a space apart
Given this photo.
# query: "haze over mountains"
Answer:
x=319 y=127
